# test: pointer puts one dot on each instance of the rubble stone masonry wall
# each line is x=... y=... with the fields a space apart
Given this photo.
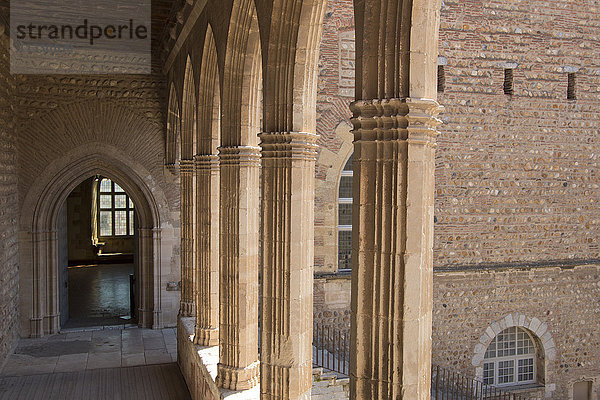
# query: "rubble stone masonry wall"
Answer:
x=467 y=303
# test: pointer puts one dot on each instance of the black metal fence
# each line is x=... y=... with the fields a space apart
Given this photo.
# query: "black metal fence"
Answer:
x=449 y=385
x=331 y=349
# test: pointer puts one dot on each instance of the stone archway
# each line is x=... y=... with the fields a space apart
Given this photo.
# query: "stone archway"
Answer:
x=541 y=335
x=39 y=238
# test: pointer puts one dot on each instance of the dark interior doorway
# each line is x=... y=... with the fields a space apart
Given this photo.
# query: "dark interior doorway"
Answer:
x=98 y=256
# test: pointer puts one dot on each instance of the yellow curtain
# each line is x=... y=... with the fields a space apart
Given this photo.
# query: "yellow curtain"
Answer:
x=95 y=194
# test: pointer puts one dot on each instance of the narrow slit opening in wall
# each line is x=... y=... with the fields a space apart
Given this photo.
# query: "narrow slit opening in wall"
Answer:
x=441 y=79
x=508 y=81
x=571 y=95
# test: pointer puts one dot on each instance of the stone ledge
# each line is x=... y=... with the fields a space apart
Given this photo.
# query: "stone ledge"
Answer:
x=198 y=365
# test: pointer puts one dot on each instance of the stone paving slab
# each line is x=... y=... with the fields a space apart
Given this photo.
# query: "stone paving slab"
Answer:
x=91 y=348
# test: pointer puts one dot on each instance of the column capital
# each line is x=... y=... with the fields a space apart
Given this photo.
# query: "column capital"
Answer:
x=300 y=145
x=394 y=119
x=186 y=166
x=239 y=155
x=423 y=121
x=208 y=161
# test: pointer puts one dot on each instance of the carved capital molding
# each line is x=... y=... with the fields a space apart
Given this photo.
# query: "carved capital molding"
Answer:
x=395 y=119
x=298 y=145
x=207 y=162
x=187 y=166
x=422 y=121
x=240 y=155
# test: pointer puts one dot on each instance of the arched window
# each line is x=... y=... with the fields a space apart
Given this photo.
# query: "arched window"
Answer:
x=345 y=217
x=510 y=359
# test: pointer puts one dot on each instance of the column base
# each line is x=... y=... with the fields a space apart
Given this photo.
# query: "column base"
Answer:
x=293 y=383
x=51 y=324
x=206 y=337
x=144 y=318
x=36 y=327
x=187 y=309
x=232 y=378
x=157 y=320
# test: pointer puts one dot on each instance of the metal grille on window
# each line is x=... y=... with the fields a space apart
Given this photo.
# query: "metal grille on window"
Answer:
x=510 y=359
x=488 y=373
x=345 y=217
x=508 y=81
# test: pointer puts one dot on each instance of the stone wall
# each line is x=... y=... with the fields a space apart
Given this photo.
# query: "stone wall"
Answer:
x=9 y=262
x=335 y=92
x=517 y=193
x=63 y=119
x=517 y=176
x=559 y=306
x=332 y=302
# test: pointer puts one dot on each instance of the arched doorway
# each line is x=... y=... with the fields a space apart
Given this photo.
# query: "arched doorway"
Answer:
x=40 y=277
x=97 y=255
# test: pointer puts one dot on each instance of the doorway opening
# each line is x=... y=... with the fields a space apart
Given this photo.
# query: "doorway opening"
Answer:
x=98 y=257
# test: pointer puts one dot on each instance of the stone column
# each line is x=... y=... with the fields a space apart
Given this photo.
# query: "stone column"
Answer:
x=392 y=248
x=238 y=326
x=186 y=168
x=41 y=241
x=157 y=322
x=52 y=317
x=207 y=254
x=288 y=168
x=144 y=277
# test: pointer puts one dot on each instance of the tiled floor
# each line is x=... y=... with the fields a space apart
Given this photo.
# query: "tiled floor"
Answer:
x=92 y=349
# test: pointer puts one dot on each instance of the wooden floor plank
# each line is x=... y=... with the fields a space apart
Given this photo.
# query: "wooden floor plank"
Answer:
x=160 y=382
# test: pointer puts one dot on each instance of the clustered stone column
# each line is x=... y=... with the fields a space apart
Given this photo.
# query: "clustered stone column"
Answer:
x=288 y=163
x=392 y=247
x=145 y=283
x=207 y=254
x=187 y=308
x=238 y=367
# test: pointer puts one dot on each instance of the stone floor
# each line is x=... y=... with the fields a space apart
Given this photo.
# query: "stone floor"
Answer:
x=92 y=349
x=98 y=295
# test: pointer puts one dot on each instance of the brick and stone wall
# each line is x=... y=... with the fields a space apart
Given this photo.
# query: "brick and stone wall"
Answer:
x=517 y=194
x=564 y=301
x=517 y=176
x=9 y=207
x=335 y=92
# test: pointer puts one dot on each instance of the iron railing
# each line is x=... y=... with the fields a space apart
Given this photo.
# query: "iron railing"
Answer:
x=331 y=349
x=449 y=385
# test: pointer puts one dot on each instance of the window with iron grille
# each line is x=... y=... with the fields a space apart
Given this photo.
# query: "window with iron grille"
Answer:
x=345 y=217
x=510 y=359
x=508 y=81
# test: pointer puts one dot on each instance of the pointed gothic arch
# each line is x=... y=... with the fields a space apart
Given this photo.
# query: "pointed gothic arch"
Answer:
x=39 y=278
x=173 y=139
